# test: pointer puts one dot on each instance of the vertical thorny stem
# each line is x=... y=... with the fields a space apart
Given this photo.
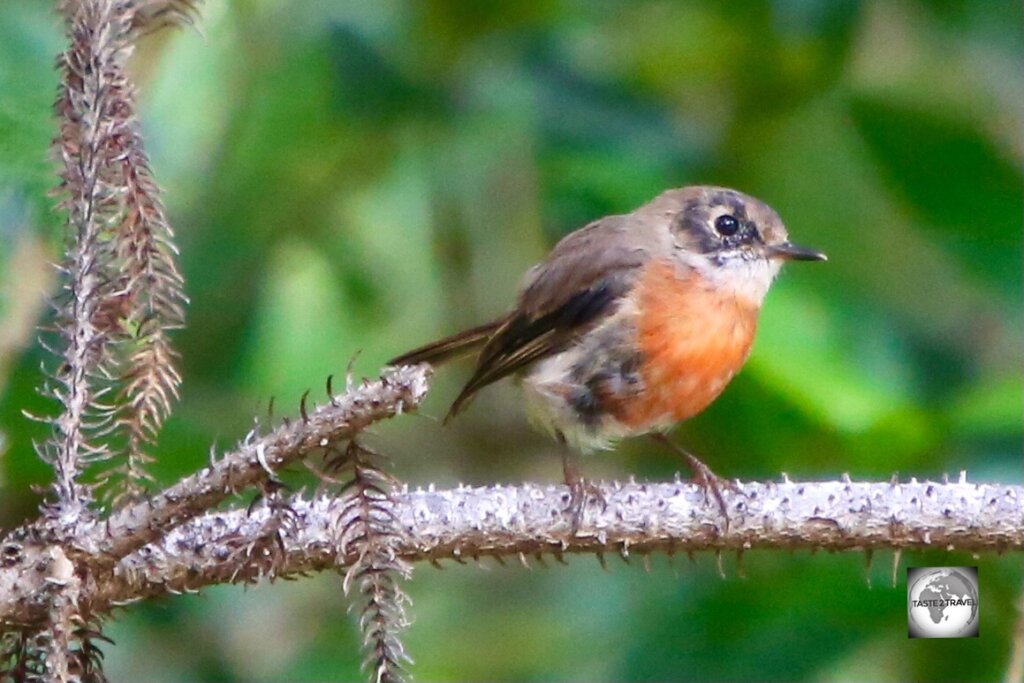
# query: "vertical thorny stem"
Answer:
x=92 y=83
x=368 y=527
x=153 y=287
x=123 y=290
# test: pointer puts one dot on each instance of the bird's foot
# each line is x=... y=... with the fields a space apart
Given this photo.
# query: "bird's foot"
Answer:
x=704 y=477
x=709 y=482
x=581 y=492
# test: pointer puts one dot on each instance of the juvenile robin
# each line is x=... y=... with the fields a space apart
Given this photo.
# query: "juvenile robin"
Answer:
x=633 y=323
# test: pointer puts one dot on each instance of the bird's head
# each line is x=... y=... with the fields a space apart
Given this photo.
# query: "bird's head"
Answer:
x=736 y=242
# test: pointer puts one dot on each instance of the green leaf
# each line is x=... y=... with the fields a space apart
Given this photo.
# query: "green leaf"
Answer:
x=954 y=177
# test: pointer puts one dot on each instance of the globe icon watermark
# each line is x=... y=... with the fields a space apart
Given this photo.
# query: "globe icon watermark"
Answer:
x=942 y=602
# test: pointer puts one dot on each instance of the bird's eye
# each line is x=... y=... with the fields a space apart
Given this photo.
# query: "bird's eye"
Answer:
x=727 y=225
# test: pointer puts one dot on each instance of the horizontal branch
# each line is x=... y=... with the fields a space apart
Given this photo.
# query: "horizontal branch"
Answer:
x=518 y=521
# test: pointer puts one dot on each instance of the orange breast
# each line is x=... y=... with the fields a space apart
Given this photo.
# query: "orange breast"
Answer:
x=693 y=341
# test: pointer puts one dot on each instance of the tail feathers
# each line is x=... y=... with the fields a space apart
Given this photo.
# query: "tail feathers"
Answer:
x=460 y=402
x=445 y=349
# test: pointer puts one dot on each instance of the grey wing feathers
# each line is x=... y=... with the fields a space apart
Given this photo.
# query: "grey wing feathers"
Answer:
x=576 y=286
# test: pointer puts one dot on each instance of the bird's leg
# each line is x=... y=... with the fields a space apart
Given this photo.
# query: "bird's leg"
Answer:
x=579 y=487
x=703 y=476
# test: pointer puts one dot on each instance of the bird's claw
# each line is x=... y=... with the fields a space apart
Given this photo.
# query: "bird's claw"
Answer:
x=708 y=481
x=581 y=491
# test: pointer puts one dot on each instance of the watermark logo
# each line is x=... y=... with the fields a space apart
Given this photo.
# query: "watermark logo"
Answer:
x=942 y=602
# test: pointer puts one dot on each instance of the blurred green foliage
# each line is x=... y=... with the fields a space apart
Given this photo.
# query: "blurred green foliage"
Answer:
x=350 y=177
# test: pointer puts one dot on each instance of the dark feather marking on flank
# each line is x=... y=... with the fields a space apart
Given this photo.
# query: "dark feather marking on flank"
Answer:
x=523 y=340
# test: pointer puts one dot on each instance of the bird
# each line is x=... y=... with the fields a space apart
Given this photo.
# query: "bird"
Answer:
x=632 y=324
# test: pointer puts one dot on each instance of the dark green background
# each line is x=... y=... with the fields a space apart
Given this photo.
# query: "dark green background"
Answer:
x=365 y=176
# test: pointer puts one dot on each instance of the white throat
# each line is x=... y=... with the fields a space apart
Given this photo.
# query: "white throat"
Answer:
x=746 y=279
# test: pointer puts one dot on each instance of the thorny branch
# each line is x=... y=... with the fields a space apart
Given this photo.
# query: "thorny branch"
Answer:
x=123 y=292
x=92 y=105
x=368 y=539
x=529 y=521
x=259 y=457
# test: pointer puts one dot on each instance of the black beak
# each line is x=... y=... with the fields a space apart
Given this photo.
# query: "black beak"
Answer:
x=794 y=252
